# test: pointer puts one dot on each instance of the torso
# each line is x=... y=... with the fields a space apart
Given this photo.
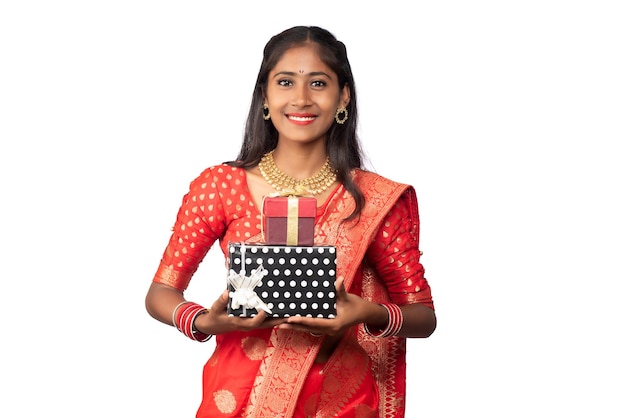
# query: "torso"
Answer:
x=258 y=189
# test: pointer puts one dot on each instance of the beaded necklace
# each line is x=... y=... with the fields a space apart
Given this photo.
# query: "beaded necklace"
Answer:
x=283 y=183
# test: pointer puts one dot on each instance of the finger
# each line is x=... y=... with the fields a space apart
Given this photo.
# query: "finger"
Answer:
x=249 y=323
x=340 y=288
x=301 y=320
x=294 y=327
x=273 y=322
x=259 y=317
x=222 y=302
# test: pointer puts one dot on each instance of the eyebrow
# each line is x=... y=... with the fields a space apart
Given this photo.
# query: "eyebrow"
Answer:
x=293 y=74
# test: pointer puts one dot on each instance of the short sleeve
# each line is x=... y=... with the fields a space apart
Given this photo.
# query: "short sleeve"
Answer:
x=199 y=223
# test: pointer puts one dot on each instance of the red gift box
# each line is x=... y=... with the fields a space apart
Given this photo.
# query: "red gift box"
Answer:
x=289 y=220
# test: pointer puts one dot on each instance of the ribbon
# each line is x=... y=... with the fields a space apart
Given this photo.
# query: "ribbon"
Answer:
x=244 y=295
x=292 y=220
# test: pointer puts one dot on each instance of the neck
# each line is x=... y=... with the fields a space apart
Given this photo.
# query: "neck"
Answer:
x=301 y=163
x=282 y=182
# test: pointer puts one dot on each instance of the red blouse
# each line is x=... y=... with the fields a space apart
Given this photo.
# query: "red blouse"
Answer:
x=218 y=206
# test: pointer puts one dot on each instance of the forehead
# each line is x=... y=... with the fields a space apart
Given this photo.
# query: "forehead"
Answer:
x=303 y=58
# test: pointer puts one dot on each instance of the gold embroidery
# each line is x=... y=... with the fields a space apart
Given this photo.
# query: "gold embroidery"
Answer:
x=274 y=393
x=213 y=361
x=387 y=354
x=167 y=275
x=225 y=401
x=253 y=348
x=345 y=374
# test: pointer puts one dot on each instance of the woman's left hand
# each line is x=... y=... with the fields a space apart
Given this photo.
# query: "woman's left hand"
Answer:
x=351 y=310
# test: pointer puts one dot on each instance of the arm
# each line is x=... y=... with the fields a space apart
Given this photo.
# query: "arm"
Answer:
x=202 y=218
x=162 y=300
x=419 y=320
x=394 y=254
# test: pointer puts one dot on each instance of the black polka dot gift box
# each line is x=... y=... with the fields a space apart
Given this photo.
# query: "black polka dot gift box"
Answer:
x=281 y=280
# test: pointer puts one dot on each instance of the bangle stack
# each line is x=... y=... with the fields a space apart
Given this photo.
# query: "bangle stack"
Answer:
x=184 y=317
x=393 y=326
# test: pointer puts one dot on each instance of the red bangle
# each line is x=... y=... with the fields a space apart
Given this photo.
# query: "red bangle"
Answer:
x=393 y=325
x=185 y=315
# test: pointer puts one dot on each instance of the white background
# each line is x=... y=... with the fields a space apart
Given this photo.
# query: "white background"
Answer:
x=507 y=117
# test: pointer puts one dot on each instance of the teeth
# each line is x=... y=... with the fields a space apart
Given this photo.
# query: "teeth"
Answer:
x=302 y=118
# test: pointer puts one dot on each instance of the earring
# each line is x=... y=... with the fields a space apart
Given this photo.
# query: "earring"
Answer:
x=341 y=115
x=266 y=111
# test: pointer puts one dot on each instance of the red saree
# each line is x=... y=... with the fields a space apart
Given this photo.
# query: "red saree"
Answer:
x=271 y=373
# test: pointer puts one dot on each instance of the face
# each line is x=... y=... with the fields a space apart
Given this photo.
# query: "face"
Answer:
x=303 y=95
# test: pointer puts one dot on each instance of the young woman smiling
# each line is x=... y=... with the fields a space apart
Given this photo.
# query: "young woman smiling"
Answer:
x=301 y=134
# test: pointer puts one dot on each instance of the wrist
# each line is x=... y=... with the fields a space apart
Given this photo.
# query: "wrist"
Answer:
x=378 y=318
x=198 y=322
x=391 y=327
x=184 y=318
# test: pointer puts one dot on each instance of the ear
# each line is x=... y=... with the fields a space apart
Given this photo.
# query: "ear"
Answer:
x=344 y=97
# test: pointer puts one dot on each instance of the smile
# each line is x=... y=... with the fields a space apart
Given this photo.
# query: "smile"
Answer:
x=301 y=118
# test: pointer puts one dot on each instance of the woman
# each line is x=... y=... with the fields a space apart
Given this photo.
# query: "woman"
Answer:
x=301 y=132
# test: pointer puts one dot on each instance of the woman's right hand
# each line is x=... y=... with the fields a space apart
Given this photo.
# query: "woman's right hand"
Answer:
x=217 y=321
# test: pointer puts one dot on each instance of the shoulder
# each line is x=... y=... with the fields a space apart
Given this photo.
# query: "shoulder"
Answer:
x=367 y=180
x=216 y=174
x=383 y=193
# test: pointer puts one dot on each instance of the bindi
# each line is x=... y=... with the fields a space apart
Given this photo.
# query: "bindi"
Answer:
x=301 y=71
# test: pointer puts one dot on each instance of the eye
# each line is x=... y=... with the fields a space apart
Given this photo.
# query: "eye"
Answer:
x=318 y=83
x=284 y=82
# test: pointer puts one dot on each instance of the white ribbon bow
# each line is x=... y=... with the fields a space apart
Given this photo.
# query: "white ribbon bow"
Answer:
x=244 y=294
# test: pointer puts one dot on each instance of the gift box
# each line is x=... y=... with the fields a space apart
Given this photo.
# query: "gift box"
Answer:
x=281 y=280
x=289 y=220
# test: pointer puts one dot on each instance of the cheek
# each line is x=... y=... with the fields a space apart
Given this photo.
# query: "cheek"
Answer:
x=329 y=103
x=275 y=95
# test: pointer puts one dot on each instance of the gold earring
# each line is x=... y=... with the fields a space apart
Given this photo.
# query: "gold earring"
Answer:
x=341 y=115
x=266 y=112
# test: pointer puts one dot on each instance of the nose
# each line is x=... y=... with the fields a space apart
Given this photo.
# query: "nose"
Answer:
x=301 y=95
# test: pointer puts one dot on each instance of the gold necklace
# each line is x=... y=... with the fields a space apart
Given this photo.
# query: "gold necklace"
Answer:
x=283 y=183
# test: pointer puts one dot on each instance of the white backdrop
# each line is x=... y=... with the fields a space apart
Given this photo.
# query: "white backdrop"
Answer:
x=507 y=117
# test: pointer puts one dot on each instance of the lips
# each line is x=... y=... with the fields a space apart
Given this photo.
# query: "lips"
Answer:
x=301 y=118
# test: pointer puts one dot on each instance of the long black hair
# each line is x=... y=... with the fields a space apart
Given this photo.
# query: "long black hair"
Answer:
x=342 y=144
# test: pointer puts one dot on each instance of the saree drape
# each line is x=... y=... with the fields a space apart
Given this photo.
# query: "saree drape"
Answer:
x=262 y=373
